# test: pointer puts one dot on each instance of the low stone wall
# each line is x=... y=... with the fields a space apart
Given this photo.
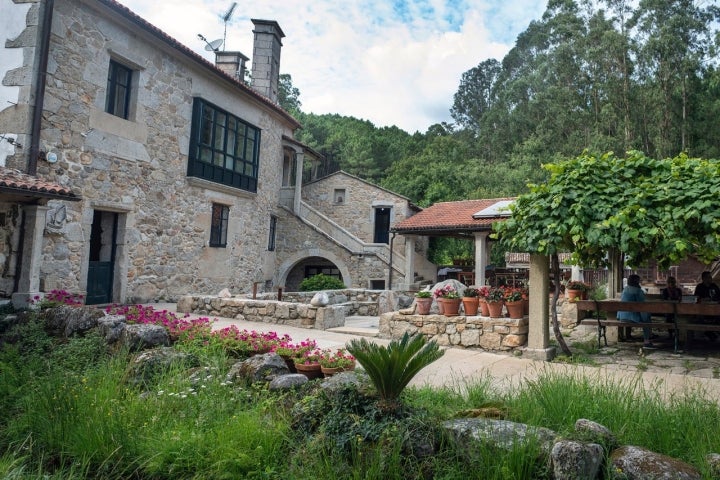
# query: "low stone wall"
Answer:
x=265 y=311
x=356 y=301
x=498 y=334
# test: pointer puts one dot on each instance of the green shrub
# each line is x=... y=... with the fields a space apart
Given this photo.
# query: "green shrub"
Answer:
x=391 y=368
x=321 y=282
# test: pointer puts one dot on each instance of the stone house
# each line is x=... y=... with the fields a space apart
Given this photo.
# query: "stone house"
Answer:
x=162 y=174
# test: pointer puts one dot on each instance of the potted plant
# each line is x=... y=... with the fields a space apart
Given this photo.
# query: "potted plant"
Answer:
x=470 y=301
x=483 y=300
x=309 y=364
x=495 y=301
x=423 y=300
x=513 y=302
x=335 y=361
x=289 y=351
x=449 y=298
x=576 y=290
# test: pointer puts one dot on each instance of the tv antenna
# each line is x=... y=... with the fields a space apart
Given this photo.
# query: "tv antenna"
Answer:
x=226 y=19
x=211 y=46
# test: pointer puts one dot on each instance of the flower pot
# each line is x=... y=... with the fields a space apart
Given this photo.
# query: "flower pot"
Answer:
x=311 y=371
x=423 y=305
x=515 y=309
x=573 y=295
x=330 y=371
x=471 y=305
x=495 y=309
x=451 y=307
x=484 y=310
x=441 y=305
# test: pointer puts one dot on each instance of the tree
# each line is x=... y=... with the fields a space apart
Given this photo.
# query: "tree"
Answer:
x=288 y=95
x=664 y=210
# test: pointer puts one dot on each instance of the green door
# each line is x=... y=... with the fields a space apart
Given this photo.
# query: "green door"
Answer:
x=102 y=257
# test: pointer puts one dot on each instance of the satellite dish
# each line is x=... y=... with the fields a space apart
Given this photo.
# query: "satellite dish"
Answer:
x=211 y=46
x=214 y=45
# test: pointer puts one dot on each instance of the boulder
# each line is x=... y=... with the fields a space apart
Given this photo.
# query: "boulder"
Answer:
x=713 y=461
x=637 y=463
x=67 y=321
x=320 y=299
x=258 y=368
x=224 y=293
x=503 y=434
x=143 y=336
x=287 y=382
x=148 y=365
x=572 y=460
x=594 y=432
x=111 y=327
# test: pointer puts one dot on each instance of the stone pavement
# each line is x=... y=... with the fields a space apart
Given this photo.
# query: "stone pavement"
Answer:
x=660 y=369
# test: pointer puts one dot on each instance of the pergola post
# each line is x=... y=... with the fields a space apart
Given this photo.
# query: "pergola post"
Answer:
x=481 y=257
x=409 y=261
x=539 y=325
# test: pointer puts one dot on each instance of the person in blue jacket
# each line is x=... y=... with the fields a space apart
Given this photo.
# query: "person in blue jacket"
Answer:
x=633 y=293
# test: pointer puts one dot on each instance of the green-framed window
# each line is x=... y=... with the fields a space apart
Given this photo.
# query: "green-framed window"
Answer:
x=223 y=148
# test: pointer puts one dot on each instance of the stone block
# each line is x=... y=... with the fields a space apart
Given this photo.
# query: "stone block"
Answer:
x=514 y=340
x=470 y=337
x=429 y=329
x=491 y=340
x=504 y=329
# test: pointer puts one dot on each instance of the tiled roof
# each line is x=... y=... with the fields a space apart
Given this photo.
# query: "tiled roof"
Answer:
x=152 y=29
x=450 y=217
x=19 y=183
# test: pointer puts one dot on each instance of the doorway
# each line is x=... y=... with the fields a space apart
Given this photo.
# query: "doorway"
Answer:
x=382 y=225
x=101 y=266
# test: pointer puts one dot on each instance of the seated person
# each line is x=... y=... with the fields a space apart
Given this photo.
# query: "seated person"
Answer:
x=633 y=293
x=707 y=290
x=673 y=294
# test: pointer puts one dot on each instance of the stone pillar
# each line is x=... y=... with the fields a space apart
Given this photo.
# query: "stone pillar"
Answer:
x=34 y=218
x=299 y=160
x=576 y=273
x=481 y=257
x=409 y=260
x=539 y=328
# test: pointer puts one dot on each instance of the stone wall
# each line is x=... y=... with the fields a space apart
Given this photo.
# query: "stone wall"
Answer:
x=494 y=334
x=299 y=315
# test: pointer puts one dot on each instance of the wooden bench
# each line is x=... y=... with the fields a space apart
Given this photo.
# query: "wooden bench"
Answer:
x=677 y=311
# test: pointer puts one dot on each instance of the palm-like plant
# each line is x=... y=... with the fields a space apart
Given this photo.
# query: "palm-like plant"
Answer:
x=391 y=368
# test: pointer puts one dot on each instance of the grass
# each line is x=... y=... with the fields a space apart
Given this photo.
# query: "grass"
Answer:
x=69 y=412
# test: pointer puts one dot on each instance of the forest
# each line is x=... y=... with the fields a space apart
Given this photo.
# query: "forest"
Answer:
x=589 y=75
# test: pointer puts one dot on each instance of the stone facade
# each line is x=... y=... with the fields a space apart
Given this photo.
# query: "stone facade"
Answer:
x=495 y=334
x=140 y=212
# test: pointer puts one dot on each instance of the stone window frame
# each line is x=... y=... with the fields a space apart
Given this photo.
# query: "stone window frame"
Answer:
x=272 y=233
x=215 y=154
x=339 y=196
x=219 y=220
x=120 y=107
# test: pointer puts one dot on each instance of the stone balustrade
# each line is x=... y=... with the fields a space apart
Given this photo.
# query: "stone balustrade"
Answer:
x=495 y=334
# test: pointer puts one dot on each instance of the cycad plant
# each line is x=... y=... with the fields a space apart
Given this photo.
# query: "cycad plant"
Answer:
x=391 y=368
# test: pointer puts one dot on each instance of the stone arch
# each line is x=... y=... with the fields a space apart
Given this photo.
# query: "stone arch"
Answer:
x=287 y=266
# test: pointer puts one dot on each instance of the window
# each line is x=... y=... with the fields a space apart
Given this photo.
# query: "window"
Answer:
x=118 y=90
x=339 y=195
x=330 y=271
x=223 y=148
x=273 y=228
x=219 y=224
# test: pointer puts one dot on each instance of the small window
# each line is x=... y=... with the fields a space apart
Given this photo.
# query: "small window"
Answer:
x=271 y=238
x=218 y=227
x=118 y=90
x=339 y=196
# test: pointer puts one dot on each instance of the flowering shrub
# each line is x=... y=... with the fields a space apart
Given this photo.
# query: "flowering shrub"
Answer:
x=339 y=358
x=244 y=343
x=288 y=349
x=483 y=292
x=496 y=294
x=311 y=357
x=448 y=291
x=58 y=297
x=178 y=328
x=512 y=294
x=577 y=285
x=470 y=292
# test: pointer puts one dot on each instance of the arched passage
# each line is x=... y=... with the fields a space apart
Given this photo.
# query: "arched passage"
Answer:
x=293 y=270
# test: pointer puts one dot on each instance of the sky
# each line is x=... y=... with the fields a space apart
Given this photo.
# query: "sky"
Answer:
x=392 y=62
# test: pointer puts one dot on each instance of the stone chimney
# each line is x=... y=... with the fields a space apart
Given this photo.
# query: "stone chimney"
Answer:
x=266 y=58
x=232 y=63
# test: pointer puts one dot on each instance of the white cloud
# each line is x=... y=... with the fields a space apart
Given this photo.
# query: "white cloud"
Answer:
x=388 y=61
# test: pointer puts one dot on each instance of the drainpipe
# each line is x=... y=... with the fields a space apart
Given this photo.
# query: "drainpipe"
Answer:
x=40 y=87
x=392 y=240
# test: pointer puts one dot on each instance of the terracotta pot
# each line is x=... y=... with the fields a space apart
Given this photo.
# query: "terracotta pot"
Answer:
x=441 y=305
x=573 y=295
x=484 y=310
x=451 y=307
x=515 y=309
x=423 y=305
x=311 y=371
x=471 y=304
x=495 y=309
x=330 y=371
